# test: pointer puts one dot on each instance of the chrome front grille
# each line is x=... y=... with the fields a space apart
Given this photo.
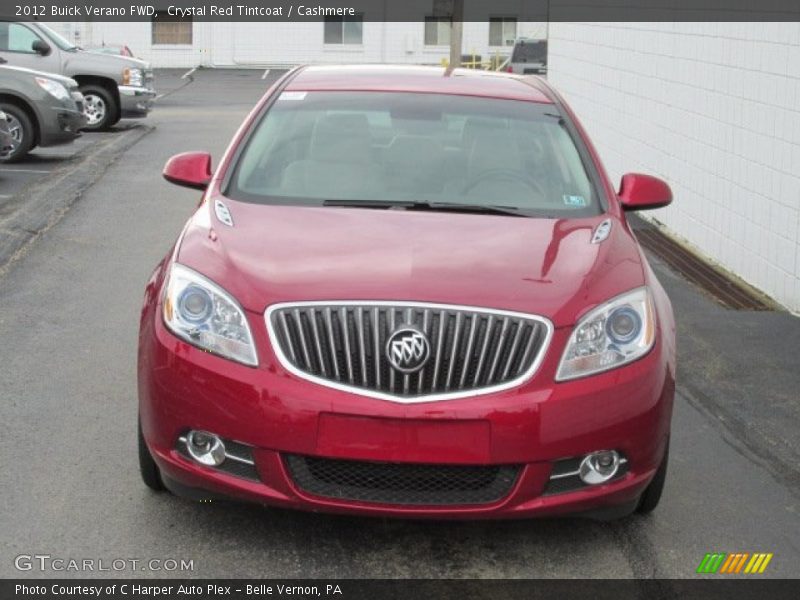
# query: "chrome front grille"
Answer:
x=345 y=345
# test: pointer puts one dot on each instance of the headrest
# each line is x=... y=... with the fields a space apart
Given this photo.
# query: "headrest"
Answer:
x=342 y=138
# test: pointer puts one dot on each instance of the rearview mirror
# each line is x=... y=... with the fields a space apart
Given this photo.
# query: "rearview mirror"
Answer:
x=643 y=192
x=40 y=47
x=189 y=169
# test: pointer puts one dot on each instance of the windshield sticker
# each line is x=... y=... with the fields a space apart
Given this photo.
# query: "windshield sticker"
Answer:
x=574 y=201
x=292 y=96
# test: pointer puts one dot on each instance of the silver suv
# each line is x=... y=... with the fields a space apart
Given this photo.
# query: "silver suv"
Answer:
x=114 y=87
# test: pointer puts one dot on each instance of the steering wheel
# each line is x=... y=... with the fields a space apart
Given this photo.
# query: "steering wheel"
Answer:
x=503 y=175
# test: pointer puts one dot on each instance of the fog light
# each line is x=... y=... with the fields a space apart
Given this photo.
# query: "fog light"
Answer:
x=206 y=448
x=599 y=467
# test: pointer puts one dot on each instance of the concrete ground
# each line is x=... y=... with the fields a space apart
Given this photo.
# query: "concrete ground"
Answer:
x=69 y=321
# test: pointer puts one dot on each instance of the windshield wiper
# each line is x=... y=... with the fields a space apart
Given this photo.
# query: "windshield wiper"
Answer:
x=369 y=203
x=430 y=206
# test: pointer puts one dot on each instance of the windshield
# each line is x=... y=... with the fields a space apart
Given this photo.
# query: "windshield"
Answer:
x=57 y=39
x=376 y=147
x=531 y=51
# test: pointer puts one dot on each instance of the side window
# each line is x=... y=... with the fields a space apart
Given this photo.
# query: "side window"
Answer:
x=502 y=31
x=16 y=38
x=344 y=30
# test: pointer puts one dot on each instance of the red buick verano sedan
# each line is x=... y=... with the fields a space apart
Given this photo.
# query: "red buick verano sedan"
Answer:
x=412 y=292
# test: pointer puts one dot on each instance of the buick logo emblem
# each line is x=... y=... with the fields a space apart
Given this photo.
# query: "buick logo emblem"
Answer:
x=408 y=350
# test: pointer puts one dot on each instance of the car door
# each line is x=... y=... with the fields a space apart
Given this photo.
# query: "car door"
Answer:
x=16 y=46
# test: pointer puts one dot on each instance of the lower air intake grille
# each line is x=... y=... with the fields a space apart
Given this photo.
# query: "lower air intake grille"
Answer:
x=401 y=483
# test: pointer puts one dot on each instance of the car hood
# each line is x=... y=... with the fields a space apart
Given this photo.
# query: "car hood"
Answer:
x=547 y=267
x=65 y=81
x=100 y=64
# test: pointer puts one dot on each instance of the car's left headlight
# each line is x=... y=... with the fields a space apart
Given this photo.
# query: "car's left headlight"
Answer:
x=53 y=88
x=202 y=313
x=613 y=334
x=133 y=76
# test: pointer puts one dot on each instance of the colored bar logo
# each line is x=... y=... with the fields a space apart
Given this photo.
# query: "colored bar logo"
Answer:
x=734 y=563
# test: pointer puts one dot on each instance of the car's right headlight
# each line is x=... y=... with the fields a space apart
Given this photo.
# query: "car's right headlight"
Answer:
x=202 y=313
x=53 y=88
x=613 y=334
x=132 y=76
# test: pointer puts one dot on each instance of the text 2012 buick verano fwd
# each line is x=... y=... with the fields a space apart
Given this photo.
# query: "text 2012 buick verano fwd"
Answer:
x=412 y=292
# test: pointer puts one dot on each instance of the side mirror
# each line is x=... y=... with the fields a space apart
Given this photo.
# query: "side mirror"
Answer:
x=643 y=192
x=40 y=47
x=189 y=169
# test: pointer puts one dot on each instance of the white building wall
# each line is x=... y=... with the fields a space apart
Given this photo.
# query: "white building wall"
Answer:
x=713 y=108
x=268 y=43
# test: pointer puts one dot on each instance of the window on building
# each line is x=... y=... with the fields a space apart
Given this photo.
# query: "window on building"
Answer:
x=437 y=31
x=344 y=30
x=169 y=30
x=502 y=31
x=15 y=37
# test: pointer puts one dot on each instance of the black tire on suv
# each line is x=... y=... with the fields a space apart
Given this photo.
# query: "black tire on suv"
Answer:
x=22 y=129
x=99 y=106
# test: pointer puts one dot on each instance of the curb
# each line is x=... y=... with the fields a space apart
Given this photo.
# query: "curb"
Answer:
x=39 y=206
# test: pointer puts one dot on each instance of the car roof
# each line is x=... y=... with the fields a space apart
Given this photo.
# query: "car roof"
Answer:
x=419 y=79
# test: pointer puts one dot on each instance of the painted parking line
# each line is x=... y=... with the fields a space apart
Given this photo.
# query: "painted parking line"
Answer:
x=266 y=72
x=4 y=170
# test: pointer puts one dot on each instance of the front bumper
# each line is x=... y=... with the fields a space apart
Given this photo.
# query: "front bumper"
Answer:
x=60 y=125
x=135 y=102
x=278 y=415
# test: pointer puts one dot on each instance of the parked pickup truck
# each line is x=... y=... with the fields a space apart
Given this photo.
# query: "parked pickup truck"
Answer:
x=39 y=109
x=114 y=87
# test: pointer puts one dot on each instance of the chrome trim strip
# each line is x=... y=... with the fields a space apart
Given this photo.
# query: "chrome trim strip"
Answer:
x=622 y=461
x=318 y=342
x=500 y=343
x=392 y=325
x=287 y=365
x=470 y=340
x=240 y=459
x=375 y=334
x=329 y=323
x=426 y=329
x=513 y=351
x=233 y=457
x=443 y=318
x=484 y=348
x=346 y=337
x=454 y=351
x=362 y=350
x=564 y=475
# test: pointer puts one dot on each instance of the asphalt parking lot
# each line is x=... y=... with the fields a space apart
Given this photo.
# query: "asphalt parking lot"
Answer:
x=14 y=177
x=69 y=321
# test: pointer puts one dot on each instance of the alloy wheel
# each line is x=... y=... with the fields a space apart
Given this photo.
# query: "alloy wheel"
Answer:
x=15 y=129
x=94 y=107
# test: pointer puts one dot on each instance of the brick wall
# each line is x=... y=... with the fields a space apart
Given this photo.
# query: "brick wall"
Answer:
x=713 y=108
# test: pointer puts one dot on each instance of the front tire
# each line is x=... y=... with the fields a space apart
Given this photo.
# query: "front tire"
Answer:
x=652 y=494
x=148 y=468
x=99 y=107
x=22 y=130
